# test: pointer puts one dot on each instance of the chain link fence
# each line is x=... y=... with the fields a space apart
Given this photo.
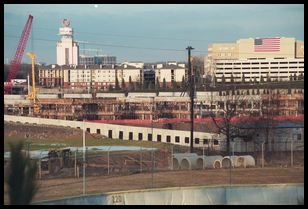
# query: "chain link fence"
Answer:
x=69 y=163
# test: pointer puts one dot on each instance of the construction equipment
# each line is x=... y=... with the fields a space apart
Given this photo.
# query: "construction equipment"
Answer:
x=32 y=94
x=15 y=63
x=58 y=159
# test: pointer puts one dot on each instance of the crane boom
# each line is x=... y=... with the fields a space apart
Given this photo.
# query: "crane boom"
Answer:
x=15 y=63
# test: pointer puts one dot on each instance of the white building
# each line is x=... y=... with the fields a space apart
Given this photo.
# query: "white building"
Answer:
x=135 y=72
x=171 y=72
x=251 y=59
x=67 y=48
x=96 y=76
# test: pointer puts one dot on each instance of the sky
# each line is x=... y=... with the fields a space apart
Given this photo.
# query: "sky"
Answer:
x=148 y=32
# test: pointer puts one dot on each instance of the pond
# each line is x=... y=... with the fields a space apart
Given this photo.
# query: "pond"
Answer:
x=44 y=152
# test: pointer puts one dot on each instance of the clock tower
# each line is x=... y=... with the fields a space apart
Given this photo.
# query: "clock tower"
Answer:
x=67 y=48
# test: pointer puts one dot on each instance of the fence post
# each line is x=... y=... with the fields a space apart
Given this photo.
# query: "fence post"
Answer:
x=78 y=172
x=140 y=159
x=292 y=153
x=262 y=154
x=172 y=157
x=203 y=156
x=108 y=160
x=39 y=167
x=153 y=165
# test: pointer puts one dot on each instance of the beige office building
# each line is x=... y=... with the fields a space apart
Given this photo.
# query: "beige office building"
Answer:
x=253 y=58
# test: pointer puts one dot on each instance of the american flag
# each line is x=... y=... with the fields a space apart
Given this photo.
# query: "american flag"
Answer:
x=267 y=45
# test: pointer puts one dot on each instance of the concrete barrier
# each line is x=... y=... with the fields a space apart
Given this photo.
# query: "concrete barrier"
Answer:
x=114 y=129
x=178 y=157
x=191 y=162
x=248 y=161
x=256 y=194
x=234 y=161
x=213 y=161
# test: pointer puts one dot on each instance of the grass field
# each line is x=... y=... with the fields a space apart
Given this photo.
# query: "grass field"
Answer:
x=45 y=144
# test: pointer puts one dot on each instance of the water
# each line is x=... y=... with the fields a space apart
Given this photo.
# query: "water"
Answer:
x=44 y=153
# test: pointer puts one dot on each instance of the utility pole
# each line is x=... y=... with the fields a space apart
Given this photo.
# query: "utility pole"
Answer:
x=192 y=93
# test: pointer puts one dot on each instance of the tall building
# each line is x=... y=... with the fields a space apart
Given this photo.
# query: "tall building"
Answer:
x=67 y=48
x=249 y=59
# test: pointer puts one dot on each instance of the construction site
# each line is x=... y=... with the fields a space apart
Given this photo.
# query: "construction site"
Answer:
x=189 y=131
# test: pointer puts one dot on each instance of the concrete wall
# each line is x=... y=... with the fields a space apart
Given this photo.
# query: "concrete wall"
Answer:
x=260 y=194
x=105 y=128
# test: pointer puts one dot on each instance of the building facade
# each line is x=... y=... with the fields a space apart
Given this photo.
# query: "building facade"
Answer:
x=170 y=72
x=251 y=59
x=97 y=60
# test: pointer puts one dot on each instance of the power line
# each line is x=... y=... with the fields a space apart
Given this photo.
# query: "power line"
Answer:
x=127 y=36
x=119 y=35
x=110 y=45
x=137 y=47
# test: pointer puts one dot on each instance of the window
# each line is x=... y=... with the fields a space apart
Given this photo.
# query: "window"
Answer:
x=130 y=136
x=177 y=139
x=88 y=130
x=120 y=134
x=299 y=137
x=186 y=140
x=168 y=139
x=140 y=136
x=159 y=138
x=215 y=142
x=98 y=131
x=110 y=134
x=197 y=140
x=149 y=137
x=205 y=141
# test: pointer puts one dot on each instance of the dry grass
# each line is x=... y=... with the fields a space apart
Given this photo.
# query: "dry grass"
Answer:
x=65 y=187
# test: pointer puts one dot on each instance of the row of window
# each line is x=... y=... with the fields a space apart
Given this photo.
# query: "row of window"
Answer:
x=248 y=68
x=256 y=72
x=159 y=137
x=258 y=63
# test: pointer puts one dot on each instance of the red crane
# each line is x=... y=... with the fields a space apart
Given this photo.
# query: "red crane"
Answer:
x=15 y=63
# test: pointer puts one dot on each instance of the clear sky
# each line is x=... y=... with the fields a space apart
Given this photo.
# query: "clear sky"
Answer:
x=146 y=26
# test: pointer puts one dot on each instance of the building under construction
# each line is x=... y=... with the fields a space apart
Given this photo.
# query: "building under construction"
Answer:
x=148 y=106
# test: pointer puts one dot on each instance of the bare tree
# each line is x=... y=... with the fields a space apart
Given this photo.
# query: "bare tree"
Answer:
x=235 y=115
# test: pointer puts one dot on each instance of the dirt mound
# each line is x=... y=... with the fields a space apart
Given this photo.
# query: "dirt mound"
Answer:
x=40 y=131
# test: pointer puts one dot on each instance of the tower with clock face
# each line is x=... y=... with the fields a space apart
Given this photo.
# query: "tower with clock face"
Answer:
x=67 y=48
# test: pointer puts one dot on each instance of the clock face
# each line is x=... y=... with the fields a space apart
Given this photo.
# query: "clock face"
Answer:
x=66 y=22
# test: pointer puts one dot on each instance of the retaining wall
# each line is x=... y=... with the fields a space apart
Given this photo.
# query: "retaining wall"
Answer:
x=262 y=194
x=105 y=129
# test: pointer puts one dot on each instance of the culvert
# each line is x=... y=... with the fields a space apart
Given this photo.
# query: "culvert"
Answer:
x=177 y=159
x=213 y=161
x=199 y=163
x=249 y=161
x=192 y=162
x=226 y=161
x=176 y=164
x=185 y=164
